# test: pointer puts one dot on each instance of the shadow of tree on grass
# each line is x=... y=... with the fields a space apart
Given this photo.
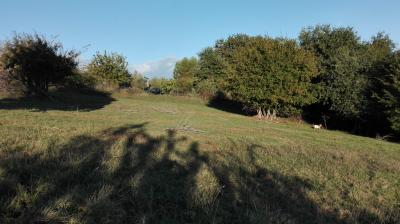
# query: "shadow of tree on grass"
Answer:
x=60 y=99
x=125 y=175
x=223 y=103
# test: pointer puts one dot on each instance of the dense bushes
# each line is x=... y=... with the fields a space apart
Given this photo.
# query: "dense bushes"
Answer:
x=166 y=86
x=80 y=80
x=138 y=81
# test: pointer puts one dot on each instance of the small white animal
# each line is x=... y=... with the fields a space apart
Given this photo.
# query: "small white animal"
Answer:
x=317 y=126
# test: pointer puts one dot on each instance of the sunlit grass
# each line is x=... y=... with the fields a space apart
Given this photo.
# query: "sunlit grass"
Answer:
x=164 y=159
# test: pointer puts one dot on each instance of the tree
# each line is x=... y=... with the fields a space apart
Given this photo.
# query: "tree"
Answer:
x=184 y=74
x=110 y=68
x=376 y=59
x=212 y=73
x=269 y=74
x=387 y=92
x=35 y=62
x=341 y=80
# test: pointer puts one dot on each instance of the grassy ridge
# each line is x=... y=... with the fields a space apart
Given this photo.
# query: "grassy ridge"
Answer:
x=162 y=159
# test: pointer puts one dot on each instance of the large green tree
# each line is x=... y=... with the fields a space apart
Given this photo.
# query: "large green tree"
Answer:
x=378 y=55
x=341 y=82
x=35 y=62
x=110 y=67
x=269 y=74
x=387 y=91
x=184 y=74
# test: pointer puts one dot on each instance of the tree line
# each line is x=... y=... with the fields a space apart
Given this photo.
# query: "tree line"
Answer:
x=327 y=75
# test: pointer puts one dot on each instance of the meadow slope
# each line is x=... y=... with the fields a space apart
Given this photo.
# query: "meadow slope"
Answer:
x=164 y=159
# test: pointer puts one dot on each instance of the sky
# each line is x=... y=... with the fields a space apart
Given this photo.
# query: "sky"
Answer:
x=154 y=34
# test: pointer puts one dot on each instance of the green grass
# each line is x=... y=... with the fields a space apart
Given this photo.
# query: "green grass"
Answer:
x=163 y=159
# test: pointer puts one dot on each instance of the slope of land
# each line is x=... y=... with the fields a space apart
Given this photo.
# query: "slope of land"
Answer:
x=164 y=159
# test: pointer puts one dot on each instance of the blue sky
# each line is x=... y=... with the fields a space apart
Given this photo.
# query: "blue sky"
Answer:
x=154 y=34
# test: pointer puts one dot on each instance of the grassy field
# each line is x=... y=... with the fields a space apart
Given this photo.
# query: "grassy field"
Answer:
x=163 y=159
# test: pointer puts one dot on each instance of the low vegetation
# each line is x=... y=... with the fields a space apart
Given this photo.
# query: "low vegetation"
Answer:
x=164 y=159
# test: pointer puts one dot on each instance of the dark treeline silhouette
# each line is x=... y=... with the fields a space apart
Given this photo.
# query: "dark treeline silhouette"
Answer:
x=149 y=179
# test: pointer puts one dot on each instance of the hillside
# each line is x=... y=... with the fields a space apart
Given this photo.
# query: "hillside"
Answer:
x=165 y=159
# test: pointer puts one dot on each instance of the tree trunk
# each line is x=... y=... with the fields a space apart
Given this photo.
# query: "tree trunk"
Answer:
x=259 y=113
x=323 y=117
x=273 y=116
x=268 y=114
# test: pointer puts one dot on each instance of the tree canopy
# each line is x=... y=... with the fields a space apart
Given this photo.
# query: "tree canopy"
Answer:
x=184 y=74
x=267 y=73
x=387 y=92
x=339 y=52
x=110 y=67
x=35 y=62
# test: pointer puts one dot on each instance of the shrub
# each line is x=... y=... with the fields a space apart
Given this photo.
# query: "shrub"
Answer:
x=206 y=88
x=168 y=86
x=80 y=80
x=138 y=81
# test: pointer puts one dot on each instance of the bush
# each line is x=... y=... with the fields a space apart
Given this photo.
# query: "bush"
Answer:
x=166 y=86
x=138 y=81
x=80 y=80
x=206 y=88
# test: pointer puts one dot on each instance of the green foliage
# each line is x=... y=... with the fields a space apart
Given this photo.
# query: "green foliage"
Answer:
x=184 y=74
x=80 y=80
x=35 y=62
x=341 y=82
x=388 y=90
x=167 y=86
x=138 y=81
x=212 y=73
x=112 y=68
x=207 y=88
x=269 y=73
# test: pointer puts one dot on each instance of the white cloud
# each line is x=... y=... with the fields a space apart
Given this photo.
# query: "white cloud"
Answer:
x=161 y=68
